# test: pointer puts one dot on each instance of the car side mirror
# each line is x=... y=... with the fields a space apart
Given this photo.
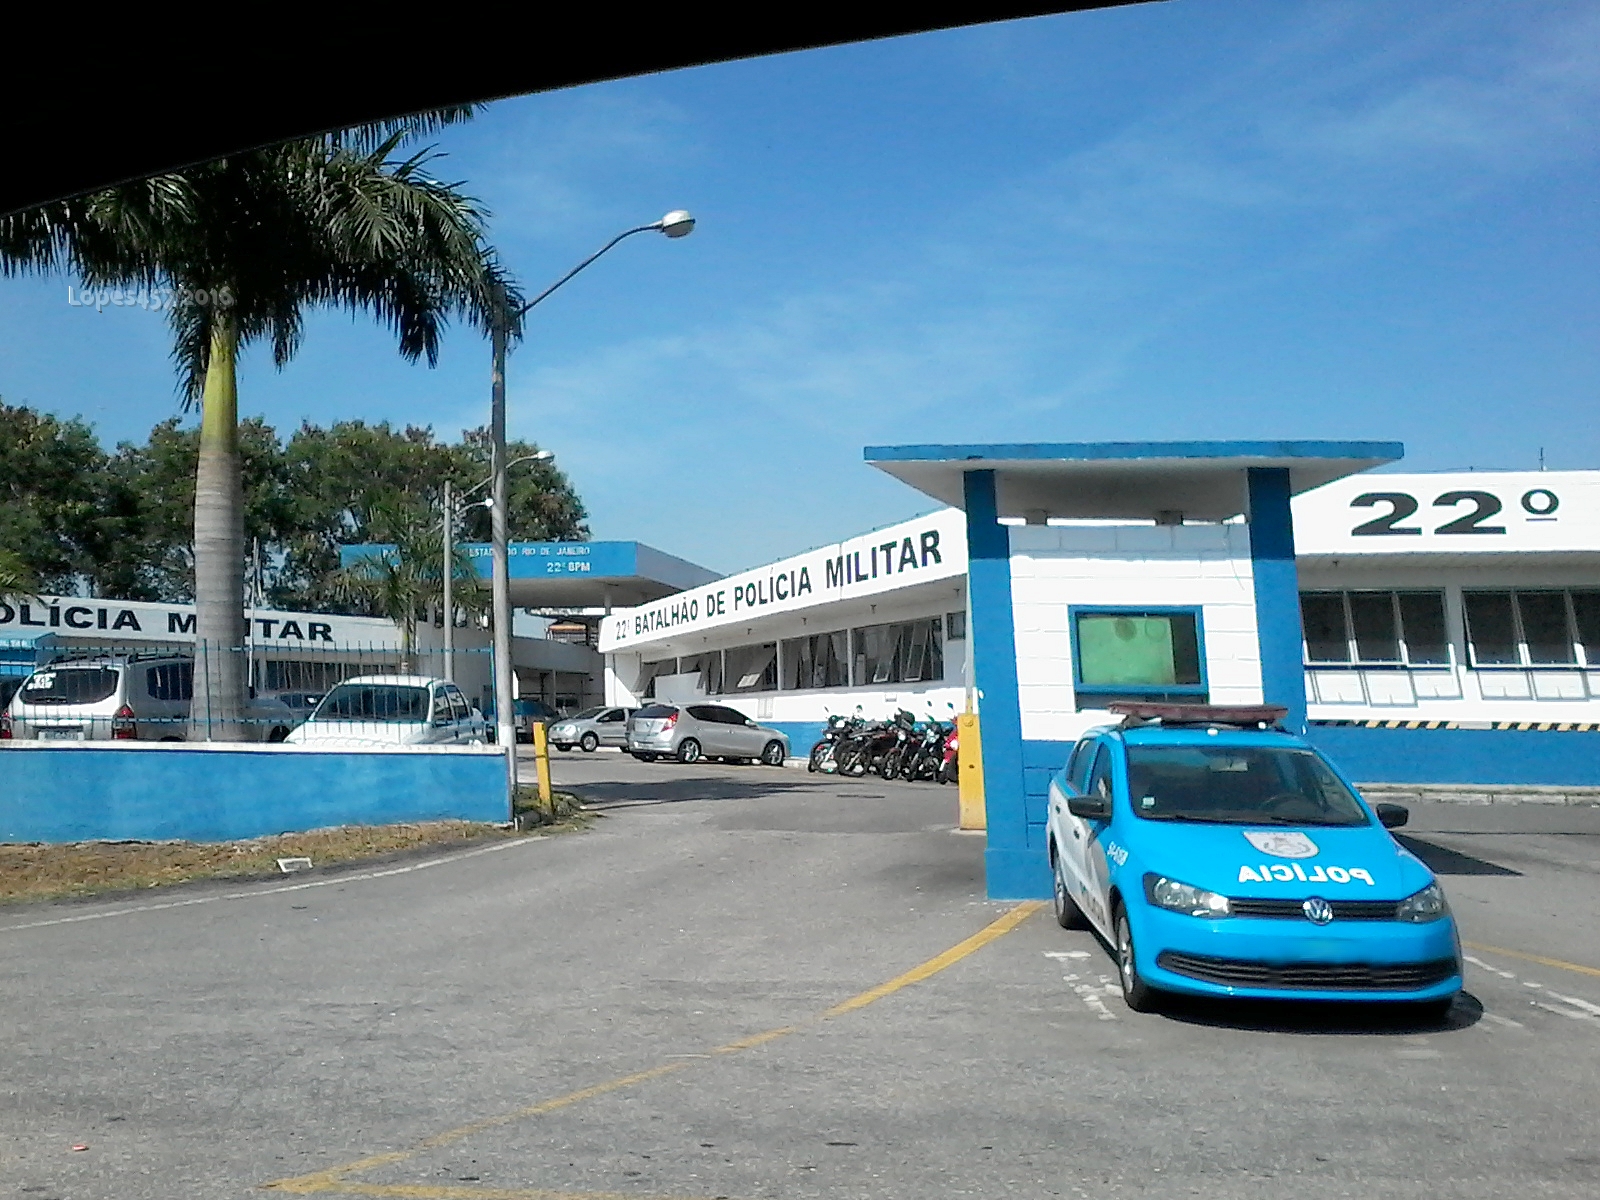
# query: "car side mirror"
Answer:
x=1392 y=816
x=1090 y=808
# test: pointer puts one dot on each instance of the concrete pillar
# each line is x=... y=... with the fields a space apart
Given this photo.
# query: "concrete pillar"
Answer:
x=1277 y=593
x=1013 y=869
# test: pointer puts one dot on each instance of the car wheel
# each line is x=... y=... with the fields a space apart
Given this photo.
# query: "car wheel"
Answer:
x=589 y=742
x=773 y=755
x=688 y=751
x=1068 y=914
x=278 y=734
x=1138 y=994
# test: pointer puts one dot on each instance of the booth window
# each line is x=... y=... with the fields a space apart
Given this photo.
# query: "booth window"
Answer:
x=955 y=626
x=751 y=669
x=903 y=652
x=1380 y=628
x=1124 y=653
x=1533 y=629
x=819 y=661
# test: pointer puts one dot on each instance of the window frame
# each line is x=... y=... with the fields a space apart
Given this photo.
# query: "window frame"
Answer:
x=1353 y=660
x=1186 y=690
x=1581 y=659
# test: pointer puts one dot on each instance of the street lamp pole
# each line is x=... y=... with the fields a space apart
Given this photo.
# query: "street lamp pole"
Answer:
x=449 y=582
x=675 y=224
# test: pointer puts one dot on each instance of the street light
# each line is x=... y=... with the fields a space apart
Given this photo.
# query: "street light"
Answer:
x=676 y=224
x=449 y=554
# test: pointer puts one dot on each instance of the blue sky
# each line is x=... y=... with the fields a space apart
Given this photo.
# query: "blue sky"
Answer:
x=1236 y=218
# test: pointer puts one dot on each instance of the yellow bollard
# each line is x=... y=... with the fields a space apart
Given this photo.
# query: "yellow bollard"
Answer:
x=969 y=773
x=541 y=764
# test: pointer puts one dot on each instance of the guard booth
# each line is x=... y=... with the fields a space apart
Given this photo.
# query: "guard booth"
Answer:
x=1107 y=571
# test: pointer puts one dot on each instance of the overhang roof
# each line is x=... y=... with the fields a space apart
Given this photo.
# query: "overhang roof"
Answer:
x=1124 y=480
x=299 y=74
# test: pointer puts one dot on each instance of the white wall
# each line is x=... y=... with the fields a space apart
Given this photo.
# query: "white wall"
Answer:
x=1054 y=567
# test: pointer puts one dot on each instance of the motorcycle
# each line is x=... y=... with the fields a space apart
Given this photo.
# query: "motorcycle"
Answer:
x=950 y=765
x=824 y=753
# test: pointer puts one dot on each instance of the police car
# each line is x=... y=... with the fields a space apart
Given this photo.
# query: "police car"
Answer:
x=1221 y=856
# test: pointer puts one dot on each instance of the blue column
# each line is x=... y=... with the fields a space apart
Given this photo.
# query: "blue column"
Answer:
x=1277 y=588
x=1013 y=870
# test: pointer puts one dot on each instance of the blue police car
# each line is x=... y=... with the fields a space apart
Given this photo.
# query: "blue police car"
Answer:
x=1221 y=856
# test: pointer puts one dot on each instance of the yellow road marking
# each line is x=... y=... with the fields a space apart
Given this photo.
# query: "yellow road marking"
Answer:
x=428 y=1191
x=1534 y=958
x=335 y=1179
x=949 y=958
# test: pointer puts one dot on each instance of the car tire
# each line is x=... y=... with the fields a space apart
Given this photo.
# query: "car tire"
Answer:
x=688 y=751
x=278 y=734
x=772 y=754
x=589 y=743
x=1136 y=993
x=1068 y=914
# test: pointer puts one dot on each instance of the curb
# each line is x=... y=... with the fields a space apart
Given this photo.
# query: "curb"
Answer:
x=1485 y=793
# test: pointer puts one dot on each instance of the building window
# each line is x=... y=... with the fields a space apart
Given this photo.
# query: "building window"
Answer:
x=819 y=661
x=955 y=626
x=751 y=669
x=708 y=666
x=1137 y=654
x=903 y=652
x=1533 y=629
x=1380 y=628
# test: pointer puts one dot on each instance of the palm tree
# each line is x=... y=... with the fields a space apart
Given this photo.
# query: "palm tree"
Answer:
x=241 y=248
x=407 y=578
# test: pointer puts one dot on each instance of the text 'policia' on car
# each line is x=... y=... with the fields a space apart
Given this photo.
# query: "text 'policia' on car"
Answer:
x=1221 y=856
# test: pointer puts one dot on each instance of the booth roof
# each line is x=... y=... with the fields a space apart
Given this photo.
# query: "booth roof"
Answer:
x=1124 y=480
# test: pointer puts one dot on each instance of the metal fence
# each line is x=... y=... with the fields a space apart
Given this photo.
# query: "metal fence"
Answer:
x=95 y=692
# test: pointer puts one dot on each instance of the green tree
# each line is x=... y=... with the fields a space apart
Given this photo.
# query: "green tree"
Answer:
x=52 y=516
x=246 y=245
x=16 y=576
x=339 y=477
x=406 y=581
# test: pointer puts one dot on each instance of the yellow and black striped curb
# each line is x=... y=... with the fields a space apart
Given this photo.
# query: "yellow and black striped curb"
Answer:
x=1543 y=726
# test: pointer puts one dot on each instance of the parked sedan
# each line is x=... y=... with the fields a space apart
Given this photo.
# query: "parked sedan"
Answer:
x=591 y=729
x=689 y=732
x=393 y=710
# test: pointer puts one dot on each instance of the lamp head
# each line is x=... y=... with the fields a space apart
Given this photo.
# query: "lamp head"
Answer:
x=676 y=224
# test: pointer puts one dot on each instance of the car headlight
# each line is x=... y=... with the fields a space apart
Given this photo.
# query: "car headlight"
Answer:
x=1185 y=898
x=1427 y=905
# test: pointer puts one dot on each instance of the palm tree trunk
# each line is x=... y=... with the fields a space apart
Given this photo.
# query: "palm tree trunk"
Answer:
x=220 y=683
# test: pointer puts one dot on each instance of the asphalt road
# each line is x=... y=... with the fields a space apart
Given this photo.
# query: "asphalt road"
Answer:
x=643 y=1010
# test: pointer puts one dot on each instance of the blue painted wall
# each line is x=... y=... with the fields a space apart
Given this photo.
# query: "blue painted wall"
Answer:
x=79 y=793
x=1482 y=756
x=1277 y=593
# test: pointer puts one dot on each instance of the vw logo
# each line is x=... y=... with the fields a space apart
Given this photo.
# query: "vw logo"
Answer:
x=1317 y=910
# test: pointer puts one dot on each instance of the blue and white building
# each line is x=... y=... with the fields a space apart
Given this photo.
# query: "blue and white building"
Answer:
x=1437 y=628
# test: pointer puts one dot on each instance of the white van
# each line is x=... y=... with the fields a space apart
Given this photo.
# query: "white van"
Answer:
x=142 y=697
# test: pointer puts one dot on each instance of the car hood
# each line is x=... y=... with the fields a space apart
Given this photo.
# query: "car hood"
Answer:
x=1346 y=863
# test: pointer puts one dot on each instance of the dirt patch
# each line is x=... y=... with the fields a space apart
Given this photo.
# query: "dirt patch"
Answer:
x=39 y=872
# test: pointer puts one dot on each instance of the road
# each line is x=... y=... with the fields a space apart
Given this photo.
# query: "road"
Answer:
x=707 y=995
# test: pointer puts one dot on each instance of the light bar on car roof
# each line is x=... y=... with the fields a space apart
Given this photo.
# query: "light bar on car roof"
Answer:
x=1242 y=716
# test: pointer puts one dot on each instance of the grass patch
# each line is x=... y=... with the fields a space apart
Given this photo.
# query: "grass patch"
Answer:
x=565 y=810
x=41 y=872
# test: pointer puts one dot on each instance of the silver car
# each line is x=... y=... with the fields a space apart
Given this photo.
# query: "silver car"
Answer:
x=690 y=732
x=591 y=729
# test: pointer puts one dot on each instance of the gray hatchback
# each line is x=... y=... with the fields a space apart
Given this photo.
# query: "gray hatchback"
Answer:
x=690 y=732
x=591 y=729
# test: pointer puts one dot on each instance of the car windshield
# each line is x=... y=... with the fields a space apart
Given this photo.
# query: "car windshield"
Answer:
x=70 y=685
x=374 y=702
x=1238 y=785
x=587 y=714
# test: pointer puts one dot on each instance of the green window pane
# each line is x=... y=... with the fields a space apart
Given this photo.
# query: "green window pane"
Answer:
x=1137 y=650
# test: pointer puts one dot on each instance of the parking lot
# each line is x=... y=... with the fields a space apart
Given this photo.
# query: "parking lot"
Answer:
x=755 y=982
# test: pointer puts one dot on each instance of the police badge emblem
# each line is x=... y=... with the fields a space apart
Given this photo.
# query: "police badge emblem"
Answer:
x=1281 y=843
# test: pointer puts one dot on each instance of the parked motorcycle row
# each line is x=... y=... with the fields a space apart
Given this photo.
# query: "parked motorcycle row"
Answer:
x=900 y=748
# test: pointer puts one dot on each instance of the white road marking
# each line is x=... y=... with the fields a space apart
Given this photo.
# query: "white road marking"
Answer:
x=1066 y=954
x=1592 y=1009
x=1573 y=1013
x=1478 y=962
x=272 y=891
x=1506 y=1021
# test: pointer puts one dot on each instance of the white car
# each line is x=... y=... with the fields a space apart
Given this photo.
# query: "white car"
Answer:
x=392 y=710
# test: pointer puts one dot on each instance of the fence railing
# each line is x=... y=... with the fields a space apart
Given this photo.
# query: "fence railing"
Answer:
x=109 y=691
